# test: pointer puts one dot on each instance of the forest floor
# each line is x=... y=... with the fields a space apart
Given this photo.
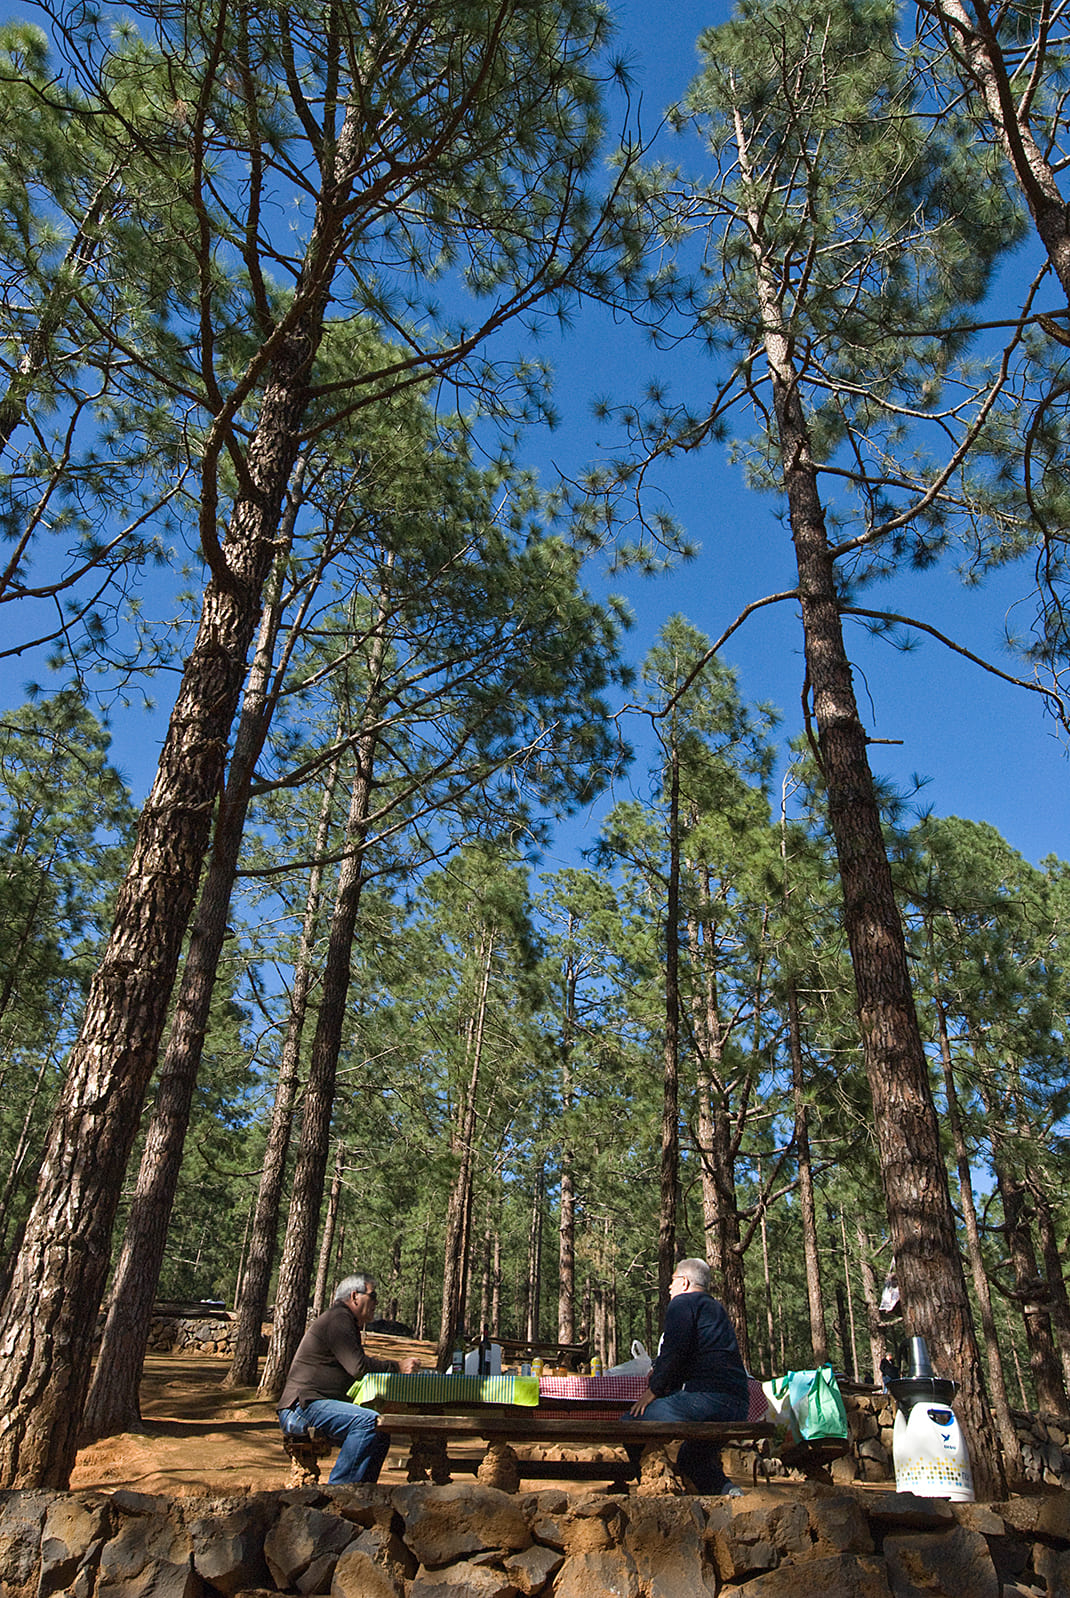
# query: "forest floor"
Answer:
x=202 y=1439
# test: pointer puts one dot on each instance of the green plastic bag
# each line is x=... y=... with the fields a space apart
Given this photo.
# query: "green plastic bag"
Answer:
x=817 y=1404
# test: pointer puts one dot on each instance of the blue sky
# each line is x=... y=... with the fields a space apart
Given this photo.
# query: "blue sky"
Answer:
x=984 y=749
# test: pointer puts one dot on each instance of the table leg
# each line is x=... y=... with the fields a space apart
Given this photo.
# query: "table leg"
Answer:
x=429 y=1460
x=657 y=1474
x=500 y=1468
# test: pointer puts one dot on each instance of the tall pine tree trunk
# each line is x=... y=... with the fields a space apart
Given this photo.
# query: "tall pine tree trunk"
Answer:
x=670 y=1099
x=807 y=1206
x=1053 y=1271
x=917 y=1197
x=49 y=1314
x=299 y=1246
x=323 y=1267
x=1001 y=1409
x=720 y=1211
x=566 y=1252
x=1044 y=1362
x=245 y=1359
x=113 y=1404
x=453 y=1277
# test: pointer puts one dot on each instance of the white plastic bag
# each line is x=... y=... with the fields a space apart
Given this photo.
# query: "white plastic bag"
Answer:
x=639 y=1365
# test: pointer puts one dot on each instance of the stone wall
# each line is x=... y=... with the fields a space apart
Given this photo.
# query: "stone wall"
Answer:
x=467 y=1541
x=191 y=1334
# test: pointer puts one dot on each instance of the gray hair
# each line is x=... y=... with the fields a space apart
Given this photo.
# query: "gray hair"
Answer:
x=697 y=1273
x=359 y=1282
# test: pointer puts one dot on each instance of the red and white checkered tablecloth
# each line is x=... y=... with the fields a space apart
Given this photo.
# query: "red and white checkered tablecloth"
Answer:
x=627 y=1389
x=605 y=1389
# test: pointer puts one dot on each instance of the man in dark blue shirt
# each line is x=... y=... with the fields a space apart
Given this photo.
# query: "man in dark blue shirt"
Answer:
x=698 y=1373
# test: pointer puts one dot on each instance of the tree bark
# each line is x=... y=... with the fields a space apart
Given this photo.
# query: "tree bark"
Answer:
x=917 y=1197
x=113 y=1404
x=720 y=1211
x=49 y=1315
x=1044 y=1362
x=1008 y=1435
x=453 y=1280
x=48 y=1318
x=1058 y=1302
x=532 y=1330
x=807 y=1206
x=323 y=1268
x=566 y=1254
x=295 y=1271
x=975 y=46
x=670 y=1102
x=245 y=1360
x=877 y=1344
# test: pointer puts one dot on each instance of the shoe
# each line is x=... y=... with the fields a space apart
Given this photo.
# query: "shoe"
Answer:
x=730 y=1490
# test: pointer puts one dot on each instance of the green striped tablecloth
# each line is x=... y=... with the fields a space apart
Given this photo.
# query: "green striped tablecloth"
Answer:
x=431 y=1387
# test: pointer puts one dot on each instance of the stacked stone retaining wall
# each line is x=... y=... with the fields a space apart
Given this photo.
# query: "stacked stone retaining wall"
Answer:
x=474 y=1542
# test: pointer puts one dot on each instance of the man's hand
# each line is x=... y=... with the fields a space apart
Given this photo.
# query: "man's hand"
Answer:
x=638 y=1408
x=408 y=1367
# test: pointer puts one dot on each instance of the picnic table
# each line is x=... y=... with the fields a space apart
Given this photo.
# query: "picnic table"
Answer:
x=581 y=1411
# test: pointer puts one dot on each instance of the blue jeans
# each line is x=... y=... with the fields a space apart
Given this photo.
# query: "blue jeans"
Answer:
x=700 y=1461
x=363 y=1449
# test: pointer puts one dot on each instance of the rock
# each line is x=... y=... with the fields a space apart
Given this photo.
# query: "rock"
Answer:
x=149 y=1554
x=547 y=1501
x=228 y=1548
x=358 y=1576
x=22 y=1515
x=531 y=1569
x=587 y=1534
x=130 y=1503
x=442 y=1524
x=838 y=1524
x=842 y=1576
x=549 y=1529
x=607 y=1573
x=300 y=1536
x=757 y=1539
x=666 y=1541
x=887 y=1510
x=72 y=1537
x=980 y=1517
x=384 y=1547
x=844 y=1470
x=465 y=1580
x=364 y=1503
x=953 y=1564
x=1053 y=1566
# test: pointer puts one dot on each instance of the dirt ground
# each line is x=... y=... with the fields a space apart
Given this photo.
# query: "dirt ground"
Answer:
x=199 y=1437
x=203 y=1439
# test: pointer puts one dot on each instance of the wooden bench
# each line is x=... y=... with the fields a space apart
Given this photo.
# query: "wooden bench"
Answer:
x=505 y=1430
